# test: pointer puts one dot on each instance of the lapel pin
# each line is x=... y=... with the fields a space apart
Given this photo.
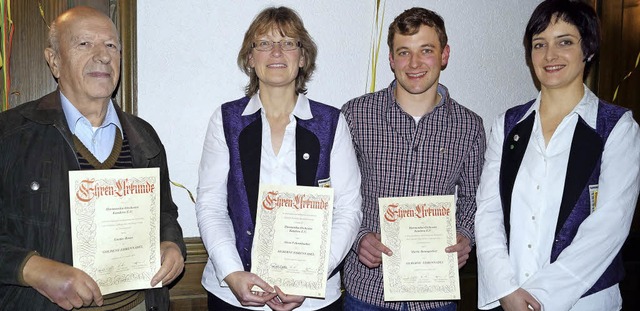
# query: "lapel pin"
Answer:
x=305 y=156
x=516 y=137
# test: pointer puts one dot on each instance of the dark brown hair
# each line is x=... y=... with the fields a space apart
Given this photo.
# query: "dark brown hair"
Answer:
x=408 y=23
x=575 y=12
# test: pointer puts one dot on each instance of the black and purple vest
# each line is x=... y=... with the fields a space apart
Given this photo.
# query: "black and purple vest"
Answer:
x=583 y=169
x=314 y=141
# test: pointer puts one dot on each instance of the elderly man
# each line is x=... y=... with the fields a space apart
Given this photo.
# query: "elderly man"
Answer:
x=77 y=127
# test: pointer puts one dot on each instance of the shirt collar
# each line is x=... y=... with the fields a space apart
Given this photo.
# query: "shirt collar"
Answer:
x=73 y=115
x=302 y=109
x=587 y=108
x=391 y=91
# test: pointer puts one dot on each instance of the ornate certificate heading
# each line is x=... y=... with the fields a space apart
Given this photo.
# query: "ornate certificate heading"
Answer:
x=417 y=230
x=115 y=218
x=292 y=238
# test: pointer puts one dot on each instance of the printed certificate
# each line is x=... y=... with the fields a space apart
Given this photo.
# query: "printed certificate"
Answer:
x=417 y=230
x=292 y=238
x=115 y=218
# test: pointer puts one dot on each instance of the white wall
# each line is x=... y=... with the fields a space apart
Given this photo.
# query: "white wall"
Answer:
x=187 y=63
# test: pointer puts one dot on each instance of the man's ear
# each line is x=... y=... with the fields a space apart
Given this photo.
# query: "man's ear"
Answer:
x=445 y=56
x=53 y=59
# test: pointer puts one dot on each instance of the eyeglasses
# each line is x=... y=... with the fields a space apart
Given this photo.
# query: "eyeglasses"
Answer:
x=285 y=45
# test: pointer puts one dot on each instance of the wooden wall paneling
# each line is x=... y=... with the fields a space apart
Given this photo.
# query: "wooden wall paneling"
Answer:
x=187 y=293
x=469 y=284
x=127 y=94
x=629 y=92
x=30 y=75
x=618 y=52
x=609 y=73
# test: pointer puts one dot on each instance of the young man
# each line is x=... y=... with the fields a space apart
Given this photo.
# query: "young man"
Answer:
x=75 y=127
x=411 y=139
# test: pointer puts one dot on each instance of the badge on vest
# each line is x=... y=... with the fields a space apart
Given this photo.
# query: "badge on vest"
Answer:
x=324 y=183
x=593 y=197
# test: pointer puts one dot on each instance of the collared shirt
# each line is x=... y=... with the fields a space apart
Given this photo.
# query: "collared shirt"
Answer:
x=98 y=140
x=399 y=158
x=215 y=225
x=536 y=198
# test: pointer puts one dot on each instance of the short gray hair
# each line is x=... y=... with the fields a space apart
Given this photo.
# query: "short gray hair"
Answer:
x=53 y=39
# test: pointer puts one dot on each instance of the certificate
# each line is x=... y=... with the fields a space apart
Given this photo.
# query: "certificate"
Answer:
x=292 y=238
x=115 y=221
x=417 y=230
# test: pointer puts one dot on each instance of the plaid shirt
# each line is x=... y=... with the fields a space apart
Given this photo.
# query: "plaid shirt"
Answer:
x=399 y=158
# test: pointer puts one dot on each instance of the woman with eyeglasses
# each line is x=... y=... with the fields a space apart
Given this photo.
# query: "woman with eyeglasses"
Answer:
x=560 y=180
x=273 y=135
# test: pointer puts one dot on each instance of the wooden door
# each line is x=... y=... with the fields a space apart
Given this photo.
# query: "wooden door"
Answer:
x=618 y=53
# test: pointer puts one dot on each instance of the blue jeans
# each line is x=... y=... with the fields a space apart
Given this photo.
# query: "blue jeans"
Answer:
x=353 y=304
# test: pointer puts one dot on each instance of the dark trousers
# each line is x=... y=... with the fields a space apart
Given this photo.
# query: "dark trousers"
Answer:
x=216 y=304
x=497 y=309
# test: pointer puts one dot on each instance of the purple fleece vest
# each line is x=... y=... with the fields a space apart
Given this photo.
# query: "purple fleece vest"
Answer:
x=314 y=141
x=586 y=153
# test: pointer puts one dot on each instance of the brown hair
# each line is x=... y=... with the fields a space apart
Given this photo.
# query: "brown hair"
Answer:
x=288 y=23
x=408 y=23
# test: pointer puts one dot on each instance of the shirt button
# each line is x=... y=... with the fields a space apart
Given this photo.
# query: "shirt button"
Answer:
x=538 y=187
x=249 y=232
x=533 y=217
x=529 y=245
x=526 y=274
x=35 y=186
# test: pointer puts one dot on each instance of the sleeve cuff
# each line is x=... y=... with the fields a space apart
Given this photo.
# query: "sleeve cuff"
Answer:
x=468 y=234
x=20 y=276
x=359 y=236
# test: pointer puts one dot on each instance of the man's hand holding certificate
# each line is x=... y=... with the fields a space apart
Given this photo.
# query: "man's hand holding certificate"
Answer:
x=417 y=230
x=292 y=238
x=115 y=217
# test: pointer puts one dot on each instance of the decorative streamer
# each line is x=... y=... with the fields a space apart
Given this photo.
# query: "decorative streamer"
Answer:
x=376 y=36
x=44 y=20
x=185 y=188
x=615 y=94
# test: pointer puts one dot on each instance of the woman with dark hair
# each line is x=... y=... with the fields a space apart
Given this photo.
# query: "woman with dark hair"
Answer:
x=560 y=180
x=273 y=135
